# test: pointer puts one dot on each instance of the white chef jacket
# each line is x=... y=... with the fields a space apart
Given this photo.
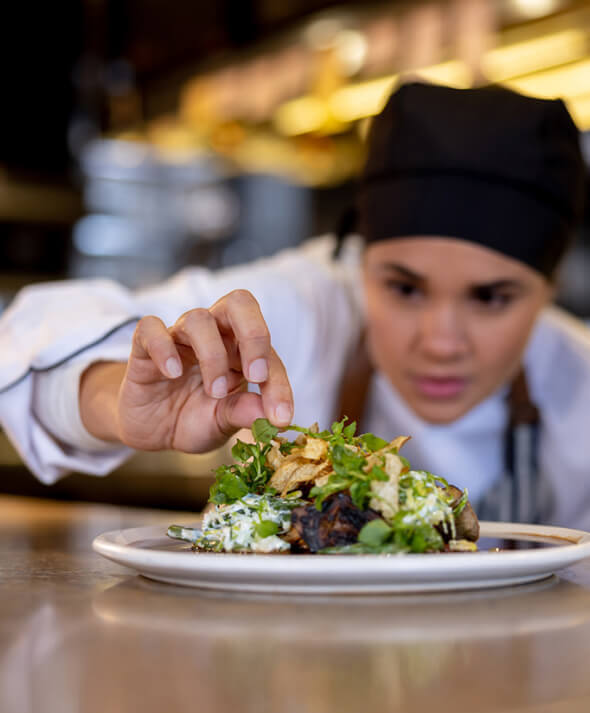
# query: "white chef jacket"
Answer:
x=314 y=309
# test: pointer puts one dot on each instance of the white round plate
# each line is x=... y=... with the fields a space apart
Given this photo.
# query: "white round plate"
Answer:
x=150 y=552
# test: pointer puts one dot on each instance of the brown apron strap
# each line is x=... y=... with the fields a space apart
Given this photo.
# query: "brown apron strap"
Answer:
x=520 y=405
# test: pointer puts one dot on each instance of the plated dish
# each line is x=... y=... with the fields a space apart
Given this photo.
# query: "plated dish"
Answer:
x=329 y=492
x=149 y=552
x=335 y=513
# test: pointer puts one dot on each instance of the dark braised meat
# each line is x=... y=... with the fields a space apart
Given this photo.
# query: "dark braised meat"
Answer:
x=466 y=523
x=337 y=523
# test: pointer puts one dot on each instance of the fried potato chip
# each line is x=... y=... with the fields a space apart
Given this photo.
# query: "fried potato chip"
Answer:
x=398 y=442
x=275 y=458
x=376 y=458
x=281 y=476
x=295 y=455
x=315 y=449
x=303 y=474
x=323 y=474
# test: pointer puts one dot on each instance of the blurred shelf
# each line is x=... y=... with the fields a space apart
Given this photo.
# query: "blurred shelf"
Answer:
x=38 y=202
x=170 y=492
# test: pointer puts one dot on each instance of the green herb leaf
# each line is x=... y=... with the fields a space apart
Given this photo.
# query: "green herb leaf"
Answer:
x=335 y=484
x=263 y=431
x=359 y=492
x=350 y=430
x=460 y=506
x=243 y=451
x=266 y=528
x=372 y=442
x=377 y=473
x=347 y=462
x=337 y=427
x=375 y=533
x=287 y=447
x=425 y=538
x=293 y=495
x=228 y=488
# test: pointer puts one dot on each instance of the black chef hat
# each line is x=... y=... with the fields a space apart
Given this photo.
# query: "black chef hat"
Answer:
x=486 y=165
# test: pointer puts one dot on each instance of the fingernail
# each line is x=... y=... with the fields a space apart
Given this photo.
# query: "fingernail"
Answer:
x=258 y=371
x=283 y=414
x=219 y=387
x=173 y=367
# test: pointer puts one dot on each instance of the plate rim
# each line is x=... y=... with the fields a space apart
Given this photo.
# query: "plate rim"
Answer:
x=573 y=545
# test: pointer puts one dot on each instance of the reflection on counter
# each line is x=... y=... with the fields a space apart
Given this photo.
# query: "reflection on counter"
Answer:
x=81 y=633
x=351 y=619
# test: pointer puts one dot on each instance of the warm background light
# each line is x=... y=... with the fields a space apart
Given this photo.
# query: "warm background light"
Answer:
x=337 y=71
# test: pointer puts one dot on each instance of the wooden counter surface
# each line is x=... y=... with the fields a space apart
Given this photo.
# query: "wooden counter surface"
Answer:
x=79 y=634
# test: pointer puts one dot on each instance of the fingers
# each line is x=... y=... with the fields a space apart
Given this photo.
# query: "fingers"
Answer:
x=199 y=330
x=275 y=402
x=239 y=313
x=230 y=337
x=238 y=410
x=151 y=341
x=277 y=396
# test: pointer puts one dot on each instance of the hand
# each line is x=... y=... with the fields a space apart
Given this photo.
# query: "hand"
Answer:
x=185 y=387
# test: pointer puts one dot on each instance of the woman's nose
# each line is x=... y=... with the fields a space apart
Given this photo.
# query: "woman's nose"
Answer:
x=443 y=332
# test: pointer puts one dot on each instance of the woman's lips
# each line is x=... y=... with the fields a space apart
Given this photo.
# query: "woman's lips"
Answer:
x=439 y=387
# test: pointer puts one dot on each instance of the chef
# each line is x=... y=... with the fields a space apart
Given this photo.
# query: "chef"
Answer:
x=433 y=320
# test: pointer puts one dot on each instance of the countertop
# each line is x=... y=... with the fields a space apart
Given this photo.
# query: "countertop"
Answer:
x=79 y=633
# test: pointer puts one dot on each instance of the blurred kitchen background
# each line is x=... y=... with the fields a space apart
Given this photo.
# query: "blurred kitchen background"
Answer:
x=138 y=136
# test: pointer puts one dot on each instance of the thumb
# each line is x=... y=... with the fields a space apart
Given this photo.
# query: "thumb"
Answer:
x=238 y=410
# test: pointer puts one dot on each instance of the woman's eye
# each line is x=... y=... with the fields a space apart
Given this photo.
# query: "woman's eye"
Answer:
x=403 y=289
x=492 y=298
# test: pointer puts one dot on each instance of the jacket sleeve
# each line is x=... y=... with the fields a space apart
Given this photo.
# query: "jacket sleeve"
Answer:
x=48 y=330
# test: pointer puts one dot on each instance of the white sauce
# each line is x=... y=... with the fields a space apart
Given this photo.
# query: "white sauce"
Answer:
x=234 y=526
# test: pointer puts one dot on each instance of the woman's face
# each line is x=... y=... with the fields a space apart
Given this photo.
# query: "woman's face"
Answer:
x=448 y=320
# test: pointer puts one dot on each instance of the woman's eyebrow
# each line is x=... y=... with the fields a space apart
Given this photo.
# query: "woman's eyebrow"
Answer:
x=405 y=271
x=501 y=284
x=505 y=284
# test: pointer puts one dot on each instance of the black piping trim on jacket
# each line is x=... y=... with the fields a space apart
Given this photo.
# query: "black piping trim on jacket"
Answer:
x=37 y=370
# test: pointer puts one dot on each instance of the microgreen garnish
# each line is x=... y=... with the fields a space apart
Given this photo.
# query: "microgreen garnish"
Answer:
x=378 y=537
x=414 y=510
x=348 y=454
x=250 y=473
x=460 y=506
x=263 y=431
